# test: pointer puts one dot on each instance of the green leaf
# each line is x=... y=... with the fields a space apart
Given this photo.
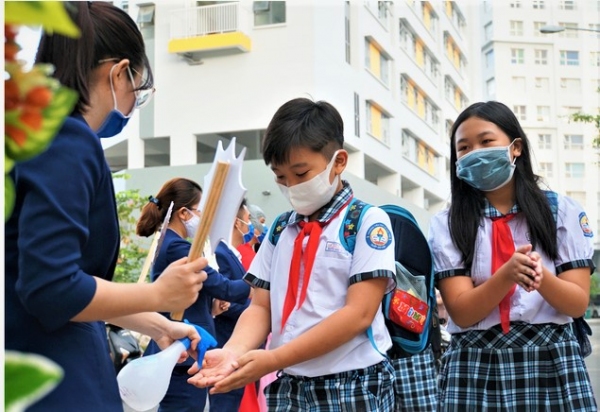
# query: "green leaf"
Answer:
x=51 y=15
x=60 y=107
x=9 y=196
x=27 y=378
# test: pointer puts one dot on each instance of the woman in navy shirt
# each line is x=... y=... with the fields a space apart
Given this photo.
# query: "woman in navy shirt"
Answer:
x=183 y=224
x=62 y=240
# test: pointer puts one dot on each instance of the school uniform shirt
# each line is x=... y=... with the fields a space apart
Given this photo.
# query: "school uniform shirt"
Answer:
x=575 y=250
x=333 y=272
x=63 y=231
x=174 y=247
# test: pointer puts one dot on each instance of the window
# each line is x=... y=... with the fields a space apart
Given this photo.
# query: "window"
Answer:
x=567 y=5
x=574 y=141
x=542 y=83
x=541 y=57
x=519 y=84
x=488 y=30
x=546 y=170
x=489 y=58
x=377 y=61
x=378 y=124
x=520 y=112
x=268 y=12
x=537 y=25
x=571 y=85
x=515 y=4
x=539 y=4
x=516 y=28
x=574 y=170
x=543 y=113
x=544 y=141
x=145 y=16
x=356 y=115
x=570 y=30
x=569 y=58
x=595 y=27
x=490 y=87
x=517 y=56
x=595 y=59
x=347 y=30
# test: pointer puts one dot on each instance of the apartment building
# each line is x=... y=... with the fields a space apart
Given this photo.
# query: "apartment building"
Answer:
x=545 y=78
x=397 y=72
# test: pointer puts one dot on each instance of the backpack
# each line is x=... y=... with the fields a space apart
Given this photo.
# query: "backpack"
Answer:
x=413 y=261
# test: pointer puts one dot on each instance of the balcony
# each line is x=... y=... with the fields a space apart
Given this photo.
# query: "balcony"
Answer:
x=207 y=31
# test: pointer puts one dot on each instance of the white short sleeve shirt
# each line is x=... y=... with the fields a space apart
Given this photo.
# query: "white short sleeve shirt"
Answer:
x=334 y=270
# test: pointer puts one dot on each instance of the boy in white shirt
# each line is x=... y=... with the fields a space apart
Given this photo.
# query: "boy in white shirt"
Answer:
x=318 y=300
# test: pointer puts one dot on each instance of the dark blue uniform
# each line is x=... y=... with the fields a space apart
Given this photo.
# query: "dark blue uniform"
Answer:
x=181 y=396
x=231 y=267
x=64 y=230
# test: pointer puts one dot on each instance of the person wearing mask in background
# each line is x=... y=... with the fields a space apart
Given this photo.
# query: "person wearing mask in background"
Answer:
x=243 y=235
x=229 y=260
x=322 y=304
x=185 y=219
x=62 y=240
x=258 y=219
x=513 y=266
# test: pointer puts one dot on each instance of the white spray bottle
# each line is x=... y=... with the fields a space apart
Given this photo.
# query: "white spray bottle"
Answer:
x=143 y=382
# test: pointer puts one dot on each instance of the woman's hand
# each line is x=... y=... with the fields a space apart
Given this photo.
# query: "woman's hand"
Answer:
x=175 y=331
x=219 y=306
x=524 y=269
x=177 y=288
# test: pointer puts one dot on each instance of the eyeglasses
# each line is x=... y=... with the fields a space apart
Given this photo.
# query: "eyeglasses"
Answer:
x=142 y=97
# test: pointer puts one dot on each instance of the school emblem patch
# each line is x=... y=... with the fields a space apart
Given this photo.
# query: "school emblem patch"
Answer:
x=379 y=236
x=584 y=222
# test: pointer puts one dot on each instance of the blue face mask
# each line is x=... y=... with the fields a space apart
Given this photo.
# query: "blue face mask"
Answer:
x=115 y=121
x=261 y=237
x=113 y=124
x=486 y=169
x=248 y=236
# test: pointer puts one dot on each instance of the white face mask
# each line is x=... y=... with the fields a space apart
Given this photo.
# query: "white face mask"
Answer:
x=308 y=197
x=191 y=225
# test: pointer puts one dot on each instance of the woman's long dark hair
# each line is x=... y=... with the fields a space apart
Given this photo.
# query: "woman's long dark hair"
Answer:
x=182 y=192
x=106 y=32
x=466 y=209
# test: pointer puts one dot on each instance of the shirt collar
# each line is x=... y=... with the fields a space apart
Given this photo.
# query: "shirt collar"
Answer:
x=326 y=212
x=491 y=211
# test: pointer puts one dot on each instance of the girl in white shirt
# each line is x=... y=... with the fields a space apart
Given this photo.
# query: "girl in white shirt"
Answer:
x=513 y=265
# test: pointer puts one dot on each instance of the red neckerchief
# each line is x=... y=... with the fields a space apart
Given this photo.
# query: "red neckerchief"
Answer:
x=503 y=247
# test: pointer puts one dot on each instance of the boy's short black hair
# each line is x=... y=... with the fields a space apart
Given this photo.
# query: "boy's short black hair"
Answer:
x=301 y=122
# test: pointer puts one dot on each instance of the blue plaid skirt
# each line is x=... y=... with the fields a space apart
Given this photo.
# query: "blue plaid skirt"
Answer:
x=531 y=368
x=416 y=382
x=363 y=390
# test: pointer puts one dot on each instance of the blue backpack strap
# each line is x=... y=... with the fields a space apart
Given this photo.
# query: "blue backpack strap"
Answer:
x=553 y=202
x=351 y=224
x=278 y=225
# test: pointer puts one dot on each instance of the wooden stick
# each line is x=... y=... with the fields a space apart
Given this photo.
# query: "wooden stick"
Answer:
x=151 y=252
x=206 y=219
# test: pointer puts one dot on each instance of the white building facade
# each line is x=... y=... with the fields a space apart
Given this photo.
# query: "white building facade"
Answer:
x=396 y=71
x=399 y=73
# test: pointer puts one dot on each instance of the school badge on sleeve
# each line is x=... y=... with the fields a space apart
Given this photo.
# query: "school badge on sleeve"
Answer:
x=584 y=222
x=379 y=236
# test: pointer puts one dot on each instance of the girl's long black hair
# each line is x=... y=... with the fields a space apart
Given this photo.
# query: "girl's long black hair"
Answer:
x=466 y=209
